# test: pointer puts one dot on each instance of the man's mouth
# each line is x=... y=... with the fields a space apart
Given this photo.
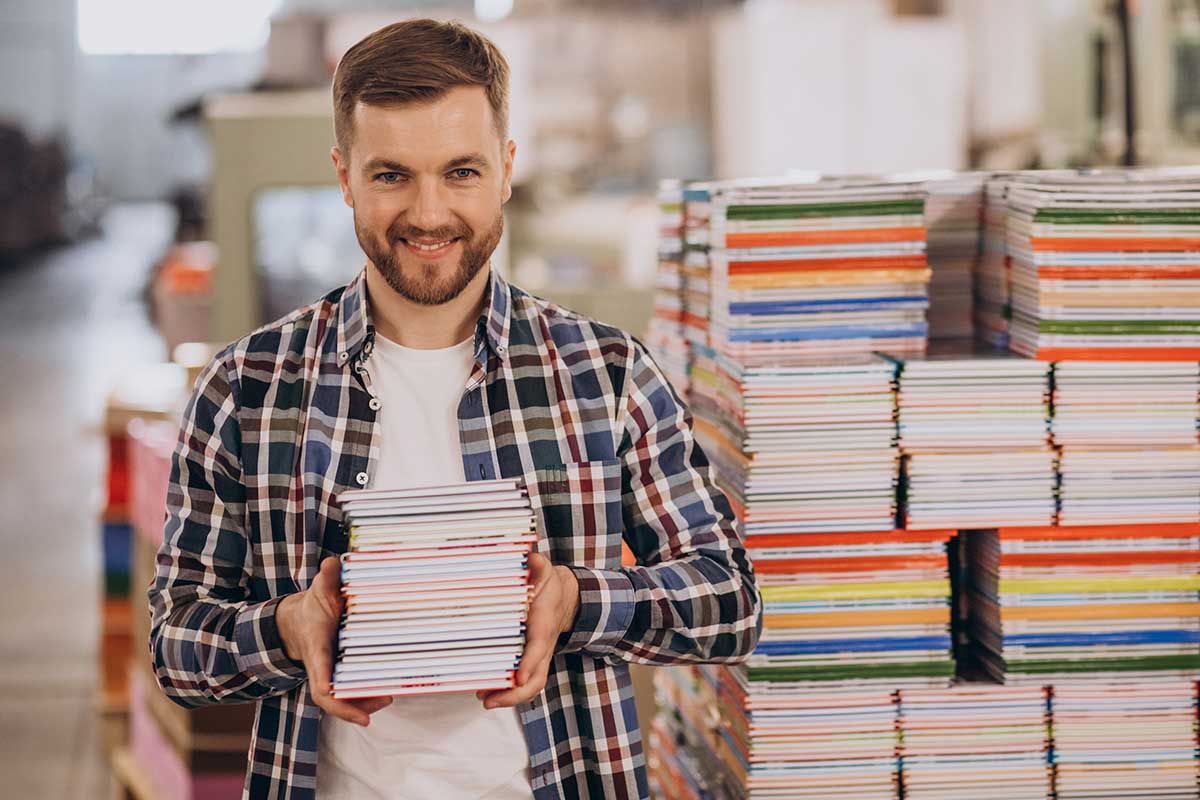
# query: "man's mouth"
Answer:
x=429 y=249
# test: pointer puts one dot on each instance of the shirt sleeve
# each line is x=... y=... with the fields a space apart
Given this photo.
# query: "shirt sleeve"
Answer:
x=691 y=597
x=208 y=642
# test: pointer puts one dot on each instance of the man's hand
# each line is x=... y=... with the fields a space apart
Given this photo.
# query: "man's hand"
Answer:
x=551 y=612
x=308 y=623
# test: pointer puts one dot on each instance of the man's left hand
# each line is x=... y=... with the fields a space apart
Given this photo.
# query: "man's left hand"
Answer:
x=551 y=613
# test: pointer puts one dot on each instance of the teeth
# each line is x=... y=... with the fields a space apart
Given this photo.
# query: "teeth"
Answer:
x=437 y=246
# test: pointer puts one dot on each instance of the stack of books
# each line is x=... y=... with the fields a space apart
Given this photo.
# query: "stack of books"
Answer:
x=1115 y=600
x=975 y=438
x=697 y=208
x=1129 y=739
x=993 y=302
x=1128 y=436
x=800 y=448
x=953 y=206
x=818 y=269
x=959 y=740
x=850 y=621
x=436 y=588
x=665 y=333
x=1105 y=268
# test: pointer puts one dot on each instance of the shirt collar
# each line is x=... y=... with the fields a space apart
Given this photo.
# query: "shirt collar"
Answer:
x=355 y=330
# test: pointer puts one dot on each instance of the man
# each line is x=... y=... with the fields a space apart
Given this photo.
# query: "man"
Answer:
x=429 y=368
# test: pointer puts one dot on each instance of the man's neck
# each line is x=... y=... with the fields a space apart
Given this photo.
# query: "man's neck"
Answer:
x=424 y=327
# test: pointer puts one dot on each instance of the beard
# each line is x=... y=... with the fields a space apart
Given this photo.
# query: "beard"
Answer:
x=429 y=288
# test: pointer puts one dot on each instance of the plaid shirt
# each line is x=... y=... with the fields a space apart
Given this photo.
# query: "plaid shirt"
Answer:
x=284 y=419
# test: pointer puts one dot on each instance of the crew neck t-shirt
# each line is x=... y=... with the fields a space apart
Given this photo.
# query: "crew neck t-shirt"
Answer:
x=446 y=745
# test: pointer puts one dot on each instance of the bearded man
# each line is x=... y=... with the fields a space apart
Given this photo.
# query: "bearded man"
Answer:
x=429 y=368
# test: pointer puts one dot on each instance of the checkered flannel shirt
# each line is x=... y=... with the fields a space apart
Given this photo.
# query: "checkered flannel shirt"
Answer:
x=284 y=419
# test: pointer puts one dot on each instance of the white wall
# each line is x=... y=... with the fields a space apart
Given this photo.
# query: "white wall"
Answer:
x=836 y=86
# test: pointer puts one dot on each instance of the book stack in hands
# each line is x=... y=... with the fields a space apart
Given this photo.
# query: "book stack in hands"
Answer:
x=436 y=588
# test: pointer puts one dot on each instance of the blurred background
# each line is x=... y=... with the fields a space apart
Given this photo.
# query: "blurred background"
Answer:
x=165 y=179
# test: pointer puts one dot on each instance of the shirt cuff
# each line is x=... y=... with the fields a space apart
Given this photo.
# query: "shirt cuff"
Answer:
x=606 y=603
x=260 y=652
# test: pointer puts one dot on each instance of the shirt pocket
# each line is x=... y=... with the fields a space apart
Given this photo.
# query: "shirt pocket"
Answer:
x=578 y=511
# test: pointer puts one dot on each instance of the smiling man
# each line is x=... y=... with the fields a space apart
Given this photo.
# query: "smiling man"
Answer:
x=429 y=368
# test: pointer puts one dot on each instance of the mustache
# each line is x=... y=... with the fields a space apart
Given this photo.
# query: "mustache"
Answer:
x=410 y=232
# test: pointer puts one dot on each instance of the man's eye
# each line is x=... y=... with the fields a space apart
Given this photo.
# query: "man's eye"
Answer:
x=389 y=177
x=463 y=173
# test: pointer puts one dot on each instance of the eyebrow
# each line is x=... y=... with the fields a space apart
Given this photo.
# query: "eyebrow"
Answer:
x=384 y=165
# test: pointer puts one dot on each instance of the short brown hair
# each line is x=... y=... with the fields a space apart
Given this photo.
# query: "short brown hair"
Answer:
x=414 y=61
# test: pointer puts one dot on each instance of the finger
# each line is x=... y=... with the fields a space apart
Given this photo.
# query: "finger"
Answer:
x=343 y=709
x=535 y=660
x=507 y=698
x=371 y=705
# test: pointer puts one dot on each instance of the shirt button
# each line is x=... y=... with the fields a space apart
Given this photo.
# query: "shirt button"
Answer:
x=374 y=404
x=362 y=478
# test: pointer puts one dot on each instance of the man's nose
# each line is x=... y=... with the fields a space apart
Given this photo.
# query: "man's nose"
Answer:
x=431 y=209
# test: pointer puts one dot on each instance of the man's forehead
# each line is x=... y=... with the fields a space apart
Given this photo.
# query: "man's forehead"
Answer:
x=428 y=131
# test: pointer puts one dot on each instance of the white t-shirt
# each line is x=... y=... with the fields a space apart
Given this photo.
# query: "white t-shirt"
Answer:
x=443 y=746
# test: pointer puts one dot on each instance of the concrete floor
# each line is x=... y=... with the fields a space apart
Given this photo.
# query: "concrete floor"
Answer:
x=69 y=320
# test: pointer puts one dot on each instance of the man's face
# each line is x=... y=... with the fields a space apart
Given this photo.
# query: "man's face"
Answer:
x=427 y=183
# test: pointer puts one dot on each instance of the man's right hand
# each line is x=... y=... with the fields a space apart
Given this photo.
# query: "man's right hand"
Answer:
x=308 y=623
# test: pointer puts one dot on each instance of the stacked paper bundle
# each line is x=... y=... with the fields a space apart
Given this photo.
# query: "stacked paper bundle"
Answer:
x=953 y=206
x=665 y=334
x=1129 y=441
x=1130 y=739
x=800 y=448
x=818 y=740
x=436 y=589
x=1112 y=599
x=696 y=269
x=1105 y=268
x=991 y=286
x=973 y=430
x=971 y=738
x=849 y=620
x=852 y=606
x=818 y=270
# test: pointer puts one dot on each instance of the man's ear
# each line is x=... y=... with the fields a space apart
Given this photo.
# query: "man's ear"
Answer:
x=341 y=165
x=510 y=152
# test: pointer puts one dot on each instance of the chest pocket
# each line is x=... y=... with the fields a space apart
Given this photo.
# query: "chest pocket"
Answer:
x=578 y=510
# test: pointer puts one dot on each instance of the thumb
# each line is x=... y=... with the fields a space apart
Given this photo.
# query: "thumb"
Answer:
x=540 y=570
x=327 y=585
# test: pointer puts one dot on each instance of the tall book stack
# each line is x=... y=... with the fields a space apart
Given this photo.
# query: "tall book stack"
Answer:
x=992 y=292
x=697 y=207
x=953 y=205
x=665 y=334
